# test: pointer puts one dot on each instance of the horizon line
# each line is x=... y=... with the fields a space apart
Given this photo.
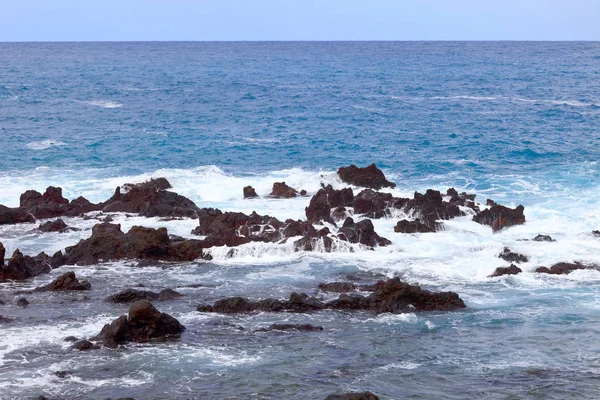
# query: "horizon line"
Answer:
x=308 y=41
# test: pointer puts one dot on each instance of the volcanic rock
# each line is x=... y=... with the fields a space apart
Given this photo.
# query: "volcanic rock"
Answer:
x=249 y=192
x=369 y=177
x=144 y=323
x=57 y=225
x=353 y=396
x=65 y=282
x=21 y=267
x=361 y=232
x=511 y=257
x=23 y=302
x=374 y=204
x=14 y=216
x=291 y=327
x=415 y=226
x=2 y=254
x=543 y=238
x=168 y=294
x=512 y=270
x=131 y=295
x=337 y=287
x=327 y=198
x=499 y=217
x=84 y=345
x=564 y=268
x=281 y=190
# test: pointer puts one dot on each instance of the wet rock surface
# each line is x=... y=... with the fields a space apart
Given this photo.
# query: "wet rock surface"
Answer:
x=511 y=270
x=512 y=257
x=20 y=266
x=131 y=295
x=281 y=190
x=564 y=268
x=361 y=232
x=500 y=217
x=405 y=226
x=65 y=282
x=249 y=192
x=370 y=177
x=57 y=225
x=353 y=396
x=291 y=327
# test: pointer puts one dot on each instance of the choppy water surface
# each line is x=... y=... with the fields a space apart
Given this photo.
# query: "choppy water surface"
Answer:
x=516 y=122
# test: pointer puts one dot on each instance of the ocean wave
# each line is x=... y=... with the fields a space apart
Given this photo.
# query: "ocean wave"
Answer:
x=567 y=102
x=44 y=144
x=104 y=103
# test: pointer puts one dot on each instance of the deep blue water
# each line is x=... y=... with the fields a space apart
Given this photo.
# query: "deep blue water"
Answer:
x=516 y=121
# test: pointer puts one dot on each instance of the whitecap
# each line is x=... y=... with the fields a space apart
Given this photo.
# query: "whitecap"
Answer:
x=44 y=144
x=104 y=103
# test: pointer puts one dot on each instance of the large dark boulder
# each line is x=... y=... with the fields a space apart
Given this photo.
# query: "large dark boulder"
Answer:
x=150 y=199
x=564 y=268
x=21 y=267
x=14 y=216
x=373 y=204
x=131 y=295
x=415 y=226
x=337 y=287
x=326 y=199
x=52 y=204
x=249 y=192
x=66 y=282
x=361 y=232
x=57 y=225
x=499 y=217
x=369 y=177
x=500 y=271
x=353 y=396
x=281 y=190
x=2 y=254
x=143 y=323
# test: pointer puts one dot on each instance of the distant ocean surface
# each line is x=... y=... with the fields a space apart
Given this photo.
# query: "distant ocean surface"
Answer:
x=517 y=122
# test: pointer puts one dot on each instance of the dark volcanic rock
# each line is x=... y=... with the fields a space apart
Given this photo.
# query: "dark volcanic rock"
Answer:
x=4 y=320
x=144 y=323
x=326 y=199
x=108 y=242
x=249 y=192
x=369 y=177
x=14 y=216
x=543 y=238
x=2 y=254
x=65 y=282
x=415 y=226
x=52 y=204
x=22 y=302
x=157 y=183
x=373 y=204
x=168 y=294
x=431 y=207
x=499 y=217
x=131 y=295
x=84 y=345
x=337 y=287
x=512 y=270
x=564 y=268
x=361 y=232
x=392 y=296
x=21 y=267
x=353 y=396
x=53 y=226
x=291 y=327
x=281 y=190
x=511 y=257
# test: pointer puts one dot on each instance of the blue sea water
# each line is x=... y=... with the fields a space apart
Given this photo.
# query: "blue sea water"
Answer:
x=515 y=121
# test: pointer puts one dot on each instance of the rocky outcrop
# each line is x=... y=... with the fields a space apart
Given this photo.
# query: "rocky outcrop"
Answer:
x=361 y=232
x=131 y=295
x=325 y=200
x=2 y=254
x=291 y=327
x=393 y=296
x=374 y=204
x=369 y=177
x=337 y=287
x=415 y=226
x=142 y=324
x=564 y=268
x=249 y=192
x=52 y=204
x=21 y=267
x=353 y=396
x=500 y=217
x=512 y=257
x=281 y=190
x=57 y=225
x=65 y=282
x=512 y=270
x=108 y=243
x=14 y=216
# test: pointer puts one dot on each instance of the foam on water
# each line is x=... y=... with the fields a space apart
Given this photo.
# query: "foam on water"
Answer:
x=45 y=144
x=104 y=103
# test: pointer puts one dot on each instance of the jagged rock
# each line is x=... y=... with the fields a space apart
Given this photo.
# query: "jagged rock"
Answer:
x=52 y=204
x=14 y=216
x=318 y=242
x=543 y=238
x=512 y=270
x=249 y=192
x=53 y=226
x=511 y=257
x=65 y=282
x=340 y=214
x=373 y=204
x=369 y=177
x=143 y=323
x=326 y=199
x=21 y=267
x=361 y=232
x=84 y=345
x=596 y=233
x=353 y=396
x=337 y=287
x=108 y=242
x=281 y=190
x=23 y=302
x=499 y=217
x=291 y=327
x=564 y=268
x=157 y=183
x=415 y=226
x=462 y=199
x=149 y=200
x=392 y=296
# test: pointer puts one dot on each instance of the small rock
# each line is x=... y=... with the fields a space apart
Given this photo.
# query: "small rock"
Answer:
x=65 y=282
x=281 y=190
x=511 y=257
x=512 y=270
x=84 y=345
x=249 y=192
x=22 y=302
x=543 y=238
x=62 y=374
x=168 y=294
x=70 y=339
x=353 y=396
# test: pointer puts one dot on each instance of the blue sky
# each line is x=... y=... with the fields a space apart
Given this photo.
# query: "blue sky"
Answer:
x=83 y=20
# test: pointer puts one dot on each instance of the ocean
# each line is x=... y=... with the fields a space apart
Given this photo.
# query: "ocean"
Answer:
x=516 y=122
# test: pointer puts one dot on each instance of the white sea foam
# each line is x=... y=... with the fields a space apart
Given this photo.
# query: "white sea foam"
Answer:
x=104 y=103
x=45 y=144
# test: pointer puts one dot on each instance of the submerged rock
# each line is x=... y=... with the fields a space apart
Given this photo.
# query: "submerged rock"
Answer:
x=65 y=282
x=392 y=296
x=142 y=324
x=23 y=302
x=499 y=217
x=512 y=257
x=353 y=396
x=84 y=345
x=512 y=270
x=291 y=327
x=369 y=177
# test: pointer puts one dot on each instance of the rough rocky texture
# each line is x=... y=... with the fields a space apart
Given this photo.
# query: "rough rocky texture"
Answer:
x=512 y=257
x=353 y=396
x=373 y=204
x=249 y=192
x=499 y=217
x=57 y=225
x=65 y=282
x=361 y=232
x=14 y=216
x=84 y=345
x=143 y=323
x=392 y=296
x=337 y=287
x=2 y=254
x=369 y=177
x=52 y=204
x=291 y=327
x=415 y=226
x=564 y=268
x=131 y=295
x=512 y=270
x=21 y=267
x=326 y=199
x=543 y=238
x=108 y=242
x=23 y=302
x=281 y=190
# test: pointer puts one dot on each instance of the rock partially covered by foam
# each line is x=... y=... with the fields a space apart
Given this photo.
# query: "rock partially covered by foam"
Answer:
x=564 y=268
x=20 y=266
x=369 y=177
x=281 y=190
x=66 y=282
x=142 y=324
x=511 y=270
x=325 y=200
x=500 y=217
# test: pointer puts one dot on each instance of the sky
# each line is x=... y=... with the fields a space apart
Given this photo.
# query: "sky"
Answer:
x=166 y=20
